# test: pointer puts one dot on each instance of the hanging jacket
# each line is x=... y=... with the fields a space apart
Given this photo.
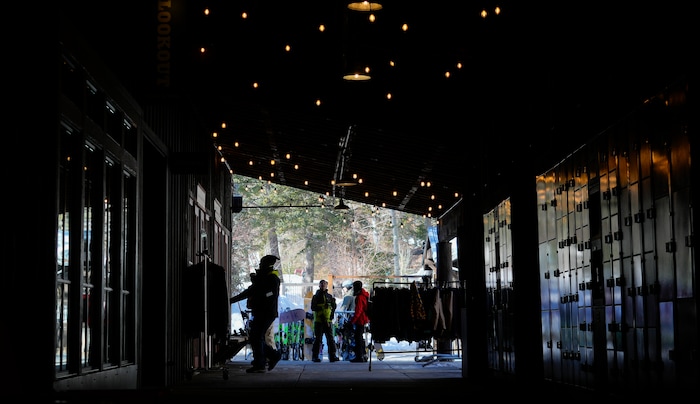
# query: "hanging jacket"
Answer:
x=360 y=315
x=323 y=305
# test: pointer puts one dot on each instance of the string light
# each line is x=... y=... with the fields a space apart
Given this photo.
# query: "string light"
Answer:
x=322 y=28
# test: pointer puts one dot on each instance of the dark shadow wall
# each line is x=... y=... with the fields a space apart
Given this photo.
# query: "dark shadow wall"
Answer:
x=153 y=292
x=29 y=172
x=471 y=271
x=526 y=305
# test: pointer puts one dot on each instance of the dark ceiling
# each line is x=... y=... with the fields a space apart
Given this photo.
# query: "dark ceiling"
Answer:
x=536 y=81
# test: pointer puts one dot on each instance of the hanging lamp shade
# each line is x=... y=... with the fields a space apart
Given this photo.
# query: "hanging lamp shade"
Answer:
x=354 y=66
x=364 y=6
x=357 y=73
x=345 y=182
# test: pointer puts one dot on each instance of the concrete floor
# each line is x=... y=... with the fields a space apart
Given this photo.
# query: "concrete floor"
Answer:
x=396 y=377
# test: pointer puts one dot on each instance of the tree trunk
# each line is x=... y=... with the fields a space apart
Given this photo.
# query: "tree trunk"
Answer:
x=308 y=275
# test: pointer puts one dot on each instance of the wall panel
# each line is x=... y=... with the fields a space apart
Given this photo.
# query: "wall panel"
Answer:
x=620 y=265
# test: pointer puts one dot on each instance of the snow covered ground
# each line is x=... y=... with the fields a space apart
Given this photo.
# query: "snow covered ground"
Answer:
x=393 y=351
x=402 y=351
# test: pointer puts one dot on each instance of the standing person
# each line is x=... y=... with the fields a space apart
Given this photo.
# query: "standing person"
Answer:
x=359 y=320
x=348 y=303
x=263 y=295
x=270 y=333
x=323 y=305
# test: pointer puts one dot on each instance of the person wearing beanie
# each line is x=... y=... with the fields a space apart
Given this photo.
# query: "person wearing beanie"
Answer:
x=323 y=305
x=263 y=295
x=359 y=320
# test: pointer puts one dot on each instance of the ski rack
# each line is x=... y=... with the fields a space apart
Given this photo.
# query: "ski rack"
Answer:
x=341 y=316
x=429 y=359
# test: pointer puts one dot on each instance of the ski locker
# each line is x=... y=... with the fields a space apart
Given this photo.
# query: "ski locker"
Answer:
x=581 y=269
x=631 y=249
x=671 y=280
x=659 y=285
x=641 y=253
x=548 y=269
x=617 y=271
x=682 y=223
x=507 y=324
x=611 y=260
x=585 y=283
x=543 y=254
x=545 y=310
x=499 y=285
x=562 y=316
x=634 y=304
x=491 y=279
x=568 y=311
x=647 y=312
x=686 y=341
x=569 y=276
x=572 y=353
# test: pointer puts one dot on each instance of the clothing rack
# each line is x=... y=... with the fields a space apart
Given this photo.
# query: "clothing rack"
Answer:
x=406 y=312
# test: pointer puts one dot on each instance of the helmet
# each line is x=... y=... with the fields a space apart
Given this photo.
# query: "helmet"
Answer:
x=267 y=263
x=347 y=284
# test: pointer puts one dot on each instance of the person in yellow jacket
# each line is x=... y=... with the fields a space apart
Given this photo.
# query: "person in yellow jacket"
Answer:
x=323 y=305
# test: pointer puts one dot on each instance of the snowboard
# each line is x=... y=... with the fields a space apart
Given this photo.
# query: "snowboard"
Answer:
x=308 y=327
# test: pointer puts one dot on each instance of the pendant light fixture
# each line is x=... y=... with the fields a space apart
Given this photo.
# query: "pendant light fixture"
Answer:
x=345 y=182
x=341 y=205
x=364 y=6
x=356 y=68
x=357 y=74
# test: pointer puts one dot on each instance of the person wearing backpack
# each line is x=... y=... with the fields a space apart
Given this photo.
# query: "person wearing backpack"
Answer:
x=263 y=296
x=359 y=320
